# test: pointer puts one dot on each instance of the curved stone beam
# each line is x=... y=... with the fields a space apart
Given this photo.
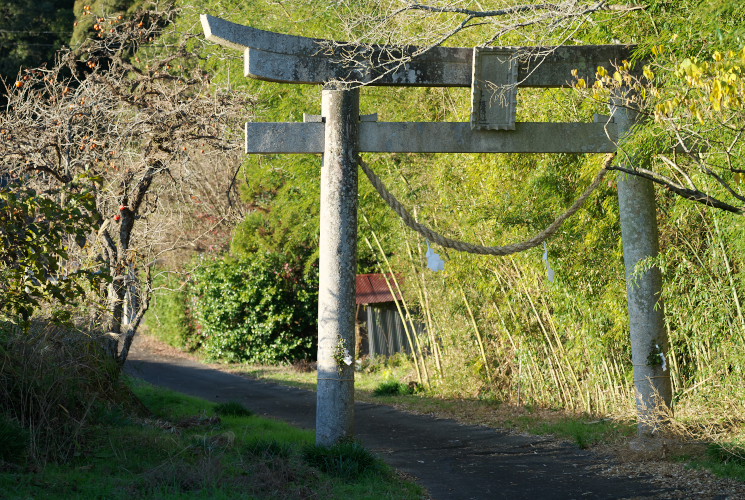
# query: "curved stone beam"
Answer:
x=240 y=37
x=295 y=59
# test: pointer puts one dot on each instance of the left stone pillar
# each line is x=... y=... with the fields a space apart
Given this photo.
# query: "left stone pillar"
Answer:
x=337 y=266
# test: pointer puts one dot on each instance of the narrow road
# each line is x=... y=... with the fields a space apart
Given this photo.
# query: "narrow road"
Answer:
x=451 y=460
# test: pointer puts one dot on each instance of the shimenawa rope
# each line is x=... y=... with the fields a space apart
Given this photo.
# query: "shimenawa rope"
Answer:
x=479 y=249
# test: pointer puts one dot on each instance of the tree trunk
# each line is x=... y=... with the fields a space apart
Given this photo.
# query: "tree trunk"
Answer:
x=117 y=291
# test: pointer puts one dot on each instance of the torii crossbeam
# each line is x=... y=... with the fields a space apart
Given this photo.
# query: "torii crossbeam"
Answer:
x=340 y=133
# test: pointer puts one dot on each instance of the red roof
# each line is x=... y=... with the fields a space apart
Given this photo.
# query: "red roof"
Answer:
x=372 y=288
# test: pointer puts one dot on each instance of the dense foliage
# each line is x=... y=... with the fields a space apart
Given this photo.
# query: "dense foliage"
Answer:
x=260 y=309
x=170 y=315
x=36 y=231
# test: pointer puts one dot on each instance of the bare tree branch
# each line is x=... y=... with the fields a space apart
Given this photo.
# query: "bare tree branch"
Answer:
x=689 y=194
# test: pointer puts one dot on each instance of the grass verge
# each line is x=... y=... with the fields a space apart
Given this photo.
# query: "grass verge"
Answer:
x=385 y=384
x=723 y=459
x=388 y=385
x=191 y=448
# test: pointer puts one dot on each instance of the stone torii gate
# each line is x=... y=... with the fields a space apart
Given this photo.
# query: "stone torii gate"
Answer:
x=340 y=133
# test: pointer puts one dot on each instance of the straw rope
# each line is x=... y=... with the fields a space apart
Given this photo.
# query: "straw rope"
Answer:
x=480 y=249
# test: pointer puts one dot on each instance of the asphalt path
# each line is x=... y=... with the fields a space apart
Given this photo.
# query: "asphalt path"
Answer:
x=451 y=460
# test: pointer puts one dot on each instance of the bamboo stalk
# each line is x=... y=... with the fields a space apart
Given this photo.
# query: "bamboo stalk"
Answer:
x=506 y=330
x=515 y=348
x=676 y=380
x=406 y=319
x=403 y=320
x=563 y=352
x=433 y=339
x=501 y=317
x=735 y=295
x=611 y=384
x=628 y=391
x=437 y=344
x=410 y=333
x=563 y=391
x=519 y=374
x=478 y=334
x=502 y=283
x=424 y=301
x=502 y=280
x=542 y=326
x=531 y=378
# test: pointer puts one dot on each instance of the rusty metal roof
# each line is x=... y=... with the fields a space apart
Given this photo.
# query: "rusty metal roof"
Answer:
x=372 y=289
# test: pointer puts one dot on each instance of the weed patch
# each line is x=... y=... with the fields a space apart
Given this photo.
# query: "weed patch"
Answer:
x=189 y=452
x=728 y=453
x=52 y=381
x=13 y=441
x=232 y=409
x=270 y=449
x=346 y=460
x=393 y=388
x=584 y=433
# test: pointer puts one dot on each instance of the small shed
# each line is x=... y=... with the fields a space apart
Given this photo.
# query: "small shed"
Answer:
x=380 y=328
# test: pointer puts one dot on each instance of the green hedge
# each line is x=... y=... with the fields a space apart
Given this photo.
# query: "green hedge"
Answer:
x=259 y=308
x=170 y=318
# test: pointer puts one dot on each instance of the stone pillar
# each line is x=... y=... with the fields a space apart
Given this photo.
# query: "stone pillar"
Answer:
x=649 y=343
x=337 y=266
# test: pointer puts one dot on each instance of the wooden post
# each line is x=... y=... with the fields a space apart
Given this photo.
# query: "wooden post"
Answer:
x=337 y=266
x=649 y=344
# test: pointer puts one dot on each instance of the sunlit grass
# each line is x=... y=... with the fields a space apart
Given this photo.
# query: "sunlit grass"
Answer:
x=186 y=450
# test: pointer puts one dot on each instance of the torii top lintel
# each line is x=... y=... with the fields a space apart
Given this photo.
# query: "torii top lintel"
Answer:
x=295 y=59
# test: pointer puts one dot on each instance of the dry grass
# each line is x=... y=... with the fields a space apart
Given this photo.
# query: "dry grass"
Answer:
x=52 y=382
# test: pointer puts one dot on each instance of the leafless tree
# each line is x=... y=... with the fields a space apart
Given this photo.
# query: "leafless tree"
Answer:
x=418 y=27
x=132 y=110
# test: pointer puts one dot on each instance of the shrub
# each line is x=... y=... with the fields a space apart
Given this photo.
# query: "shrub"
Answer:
x=232 y=409
x=259 y=308
x=169 y=317
x=393 y=388
x=373 y=364
x=13 y=441
x=35 y=231
x=347 y=459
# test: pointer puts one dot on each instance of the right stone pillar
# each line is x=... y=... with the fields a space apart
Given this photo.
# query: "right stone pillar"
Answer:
x=649 y=341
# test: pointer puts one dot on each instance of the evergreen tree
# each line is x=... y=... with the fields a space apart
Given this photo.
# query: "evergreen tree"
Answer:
x=31 y=32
